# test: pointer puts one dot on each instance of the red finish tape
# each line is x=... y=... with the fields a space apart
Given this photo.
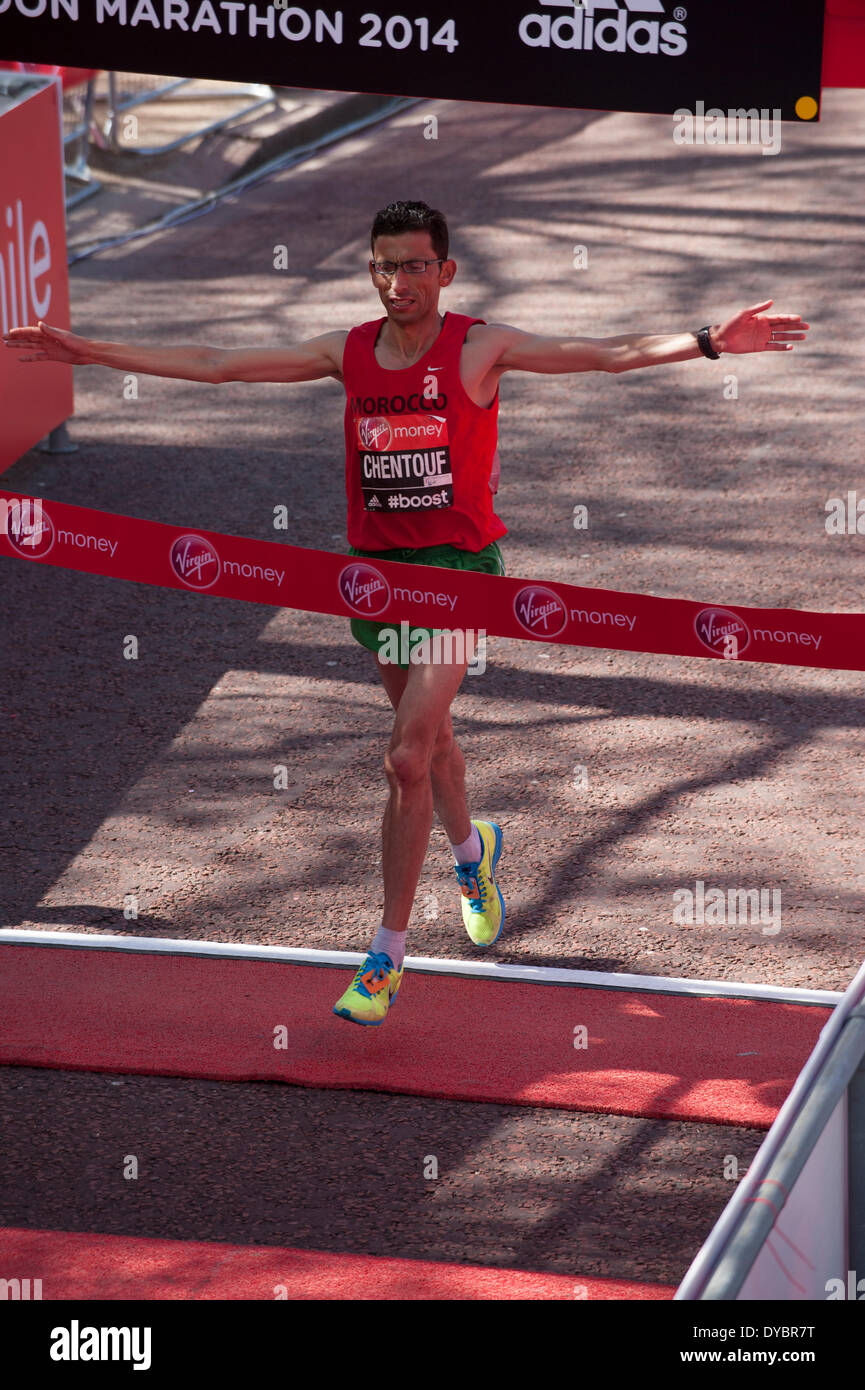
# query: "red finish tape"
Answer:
x=321 y=581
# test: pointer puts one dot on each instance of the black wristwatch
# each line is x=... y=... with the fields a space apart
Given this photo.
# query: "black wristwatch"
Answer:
x=705 y=342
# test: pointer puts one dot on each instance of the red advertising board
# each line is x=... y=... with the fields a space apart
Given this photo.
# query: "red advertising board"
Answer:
x=34 y=277
x=844 y=44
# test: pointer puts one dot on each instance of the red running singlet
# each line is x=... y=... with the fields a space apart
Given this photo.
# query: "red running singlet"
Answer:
x=421 y=460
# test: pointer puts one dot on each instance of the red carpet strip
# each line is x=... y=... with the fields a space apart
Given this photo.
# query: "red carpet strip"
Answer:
x=722 y=1061
x=75 y=1266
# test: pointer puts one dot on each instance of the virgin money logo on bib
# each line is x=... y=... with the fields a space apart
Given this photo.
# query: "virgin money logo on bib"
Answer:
x=374 y=432
x=364 y=589
x=722 y=632
x=28 y=528
x=195 y=561
x=540 y=611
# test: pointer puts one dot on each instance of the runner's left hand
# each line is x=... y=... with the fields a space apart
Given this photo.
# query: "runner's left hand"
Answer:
x=753 y=330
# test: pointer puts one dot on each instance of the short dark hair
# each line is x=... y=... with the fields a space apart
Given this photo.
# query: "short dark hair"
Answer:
x=412 y=217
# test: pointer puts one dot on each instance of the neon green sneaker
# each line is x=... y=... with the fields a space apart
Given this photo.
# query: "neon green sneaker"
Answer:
x=372 y=991
x=483 y=905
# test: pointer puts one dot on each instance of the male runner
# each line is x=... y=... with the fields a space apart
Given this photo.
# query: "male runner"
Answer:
x=433 y=379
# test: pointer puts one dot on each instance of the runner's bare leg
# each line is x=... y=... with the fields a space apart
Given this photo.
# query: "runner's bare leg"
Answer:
x=447 y=765
x=422 y=734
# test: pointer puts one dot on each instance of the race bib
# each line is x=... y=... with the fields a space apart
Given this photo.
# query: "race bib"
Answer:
x=405 y=463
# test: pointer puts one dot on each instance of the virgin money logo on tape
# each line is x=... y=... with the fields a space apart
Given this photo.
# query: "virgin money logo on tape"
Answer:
x=364 y=589
x=540 y=611
x=722 y=632
x=374 y=432
x=607 y=26
x=27 y=526
x=195 y=561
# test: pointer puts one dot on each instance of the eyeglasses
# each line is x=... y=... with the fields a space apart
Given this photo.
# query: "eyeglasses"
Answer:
x=388 y=269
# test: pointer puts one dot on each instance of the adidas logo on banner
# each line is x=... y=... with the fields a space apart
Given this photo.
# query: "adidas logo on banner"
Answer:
x=633 y=6
x=589 y=6
x=373 y=502
x=608 y=26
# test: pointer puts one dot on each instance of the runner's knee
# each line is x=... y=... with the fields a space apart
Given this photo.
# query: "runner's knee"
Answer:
x=407 y=762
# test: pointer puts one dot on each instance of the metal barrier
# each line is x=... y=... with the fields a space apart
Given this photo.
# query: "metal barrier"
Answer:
x=83 y=88
x=127 y=90
x=805 y=1187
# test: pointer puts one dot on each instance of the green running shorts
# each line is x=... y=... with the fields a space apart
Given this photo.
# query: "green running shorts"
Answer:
x=449 y=557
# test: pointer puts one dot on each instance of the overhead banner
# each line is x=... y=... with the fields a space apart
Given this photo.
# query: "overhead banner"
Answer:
x=608 y=55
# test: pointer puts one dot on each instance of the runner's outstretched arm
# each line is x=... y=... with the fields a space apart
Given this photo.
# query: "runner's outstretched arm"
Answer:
x=751 y=330
x=307 y=361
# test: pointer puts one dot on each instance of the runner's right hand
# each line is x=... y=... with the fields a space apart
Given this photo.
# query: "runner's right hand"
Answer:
x=47 y=344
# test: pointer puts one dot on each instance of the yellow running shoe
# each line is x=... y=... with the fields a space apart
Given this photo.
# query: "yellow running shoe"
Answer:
x=372 y=991
x=483 y=904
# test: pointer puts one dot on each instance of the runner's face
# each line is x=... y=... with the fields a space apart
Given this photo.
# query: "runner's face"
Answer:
x=409 y=299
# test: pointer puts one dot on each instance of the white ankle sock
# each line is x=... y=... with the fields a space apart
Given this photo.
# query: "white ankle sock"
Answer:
x=392 y=943
x=470 y=851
